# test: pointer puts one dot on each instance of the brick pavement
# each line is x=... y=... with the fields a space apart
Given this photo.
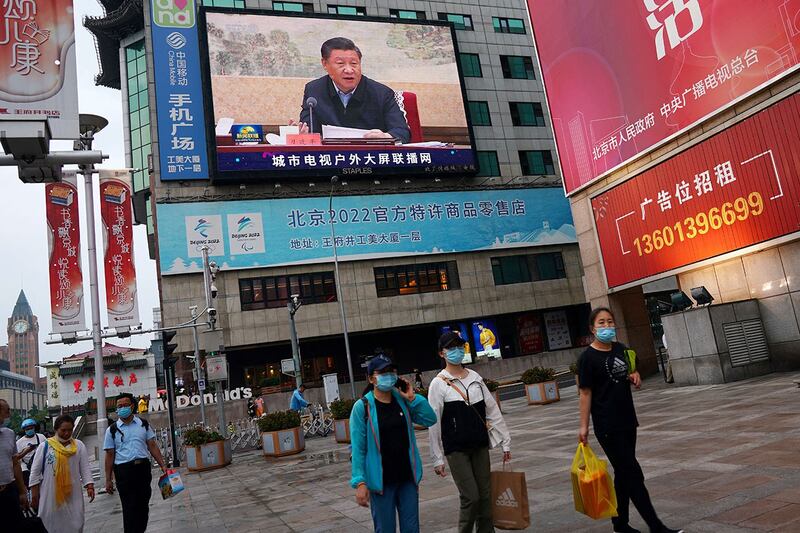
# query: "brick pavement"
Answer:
x=720 y=458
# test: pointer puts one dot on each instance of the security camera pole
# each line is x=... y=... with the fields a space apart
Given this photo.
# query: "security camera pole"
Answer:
x=197 y=369
x=293 y=305
x=210 y=270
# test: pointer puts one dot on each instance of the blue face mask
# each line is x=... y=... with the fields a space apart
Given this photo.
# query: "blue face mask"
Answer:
x=454 y=355
x=30 y=432
x=606 y=334
x=386 y=381
x=124 y=412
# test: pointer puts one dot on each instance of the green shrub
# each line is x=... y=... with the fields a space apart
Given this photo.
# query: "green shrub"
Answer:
x=538 y=374
x=198 y=435
x=279 y=420
x=491 y=384
x=340 y=409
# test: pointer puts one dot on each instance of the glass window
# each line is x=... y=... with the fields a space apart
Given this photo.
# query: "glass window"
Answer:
x=536 y=162
x=517 y=67
x=347 y=10
x=274 y=291
x=460 y=22
x=487 y=161
x=548 y=266
x=406 y=14
x=294 y=7
x=414 y=279
x=479 y=113
x=471 y=65
x=510 y=269
x=238 y=4
x=526 y=113
x=508 y=25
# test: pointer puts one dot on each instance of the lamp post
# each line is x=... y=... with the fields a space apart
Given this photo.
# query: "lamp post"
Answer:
x=334 y=179
x=89 y=125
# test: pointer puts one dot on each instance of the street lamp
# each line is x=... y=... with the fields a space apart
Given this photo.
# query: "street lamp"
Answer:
x=89 y=126
x=339 y=297
x=293 y=305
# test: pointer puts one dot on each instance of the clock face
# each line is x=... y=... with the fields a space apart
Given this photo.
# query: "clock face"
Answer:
x=20 y=326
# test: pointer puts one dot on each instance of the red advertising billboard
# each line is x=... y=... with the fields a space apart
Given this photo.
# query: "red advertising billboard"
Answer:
x=529 y=333
x=64 y=243
x=735 y=189
x=120 y=270
x=622 y=77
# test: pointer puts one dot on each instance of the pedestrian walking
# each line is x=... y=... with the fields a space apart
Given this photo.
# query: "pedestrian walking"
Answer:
x=128 y=443
x=298 y=402
x=468 y=423
x=143 y=404
x=13 y=493
x=60 y=469
x=386 y=465
x=26 y=447
x=606 y=372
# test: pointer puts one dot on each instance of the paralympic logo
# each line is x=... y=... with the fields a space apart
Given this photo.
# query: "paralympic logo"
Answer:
x=202 y=227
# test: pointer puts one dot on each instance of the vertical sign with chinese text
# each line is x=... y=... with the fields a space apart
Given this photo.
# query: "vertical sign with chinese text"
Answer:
x=179 y=90
x=738 y=188
x=63 y=240
x=529 y=333
x=624 y=76
x=37 y=63
x=120 y=270
x=557 y=326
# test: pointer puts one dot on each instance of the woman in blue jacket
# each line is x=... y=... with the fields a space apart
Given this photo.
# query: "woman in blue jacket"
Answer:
x=386 y=465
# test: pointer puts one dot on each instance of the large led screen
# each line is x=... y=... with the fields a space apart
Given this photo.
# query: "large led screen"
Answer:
x=318 y=96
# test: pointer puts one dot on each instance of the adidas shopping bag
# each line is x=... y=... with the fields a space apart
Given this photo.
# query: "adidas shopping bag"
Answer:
x=510 y=508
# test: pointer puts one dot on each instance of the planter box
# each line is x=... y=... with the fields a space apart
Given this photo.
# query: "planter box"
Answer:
x=542 y=393
x=208 y=456
x=283 y=442
x=341 y=430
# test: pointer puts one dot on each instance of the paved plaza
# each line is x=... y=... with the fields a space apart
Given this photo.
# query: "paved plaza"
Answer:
x=721 y=458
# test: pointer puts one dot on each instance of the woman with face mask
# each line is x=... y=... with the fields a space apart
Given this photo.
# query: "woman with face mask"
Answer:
x=26 y=447
x=59 y=472
x=467 y=413
x=386 y=465
x=606 y=371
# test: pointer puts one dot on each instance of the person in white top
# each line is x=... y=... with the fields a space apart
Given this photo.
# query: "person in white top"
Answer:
x=59 y=473
x=26 y=446
x=468 y=423
x=12 y=488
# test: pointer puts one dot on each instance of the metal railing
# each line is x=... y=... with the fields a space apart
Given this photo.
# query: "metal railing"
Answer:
x=243 y=434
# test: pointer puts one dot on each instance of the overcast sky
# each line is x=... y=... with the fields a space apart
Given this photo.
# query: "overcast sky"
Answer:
x=23 y=230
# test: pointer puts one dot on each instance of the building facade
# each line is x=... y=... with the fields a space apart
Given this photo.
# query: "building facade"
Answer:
x=20 y=392
x=532 y=295
x=23 y=338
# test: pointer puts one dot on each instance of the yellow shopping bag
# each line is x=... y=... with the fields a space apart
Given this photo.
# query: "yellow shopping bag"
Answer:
x=592 y=489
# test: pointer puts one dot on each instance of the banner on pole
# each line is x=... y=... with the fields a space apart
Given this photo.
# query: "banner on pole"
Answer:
x=120 y=270
x=63 y=243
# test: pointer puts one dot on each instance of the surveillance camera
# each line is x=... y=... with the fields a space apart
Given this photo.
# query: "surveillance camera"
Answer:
x=212 y=312
x=213 y=291
x=295 y=298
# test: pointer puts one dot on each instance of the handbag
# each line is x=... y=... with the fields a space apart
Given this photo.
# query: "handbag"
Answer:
x=510 y=506
x=494 y=436
x=32 y=523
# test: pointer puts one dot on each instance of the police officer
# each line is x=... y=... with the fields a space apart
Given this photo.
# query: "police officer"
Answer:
x=129 y=442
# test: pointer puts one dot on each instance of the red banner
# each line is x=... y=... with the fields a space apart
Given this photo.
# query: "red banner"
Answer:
x=64 y=243
x=738 y=188
x=529 y=333
x=623 y=76
x=120 y=269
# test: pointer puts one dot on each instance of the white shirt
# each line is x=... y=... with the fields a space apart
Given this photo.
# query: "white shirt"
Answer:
x=7 y=450
x=22 y=444
x=440 y=392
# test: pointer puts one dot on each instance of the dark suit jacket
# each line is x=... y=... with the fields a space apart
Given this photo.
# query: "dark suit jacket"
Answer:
x=372 y=106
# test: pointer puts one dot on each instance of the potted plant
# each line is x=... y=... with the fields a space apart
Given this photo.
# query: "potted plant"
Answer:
x=206 y=450
x=340 y=410
x=540 y=385
x=281 y=434
x=493 y=387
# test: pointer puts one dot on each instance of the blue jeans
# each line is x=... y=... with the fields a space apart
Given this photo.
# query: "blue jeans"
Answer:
x=397 y=499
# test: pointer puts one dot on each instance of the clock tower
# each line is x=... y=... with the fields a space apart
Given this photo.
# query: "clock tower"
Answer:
x=23 y=339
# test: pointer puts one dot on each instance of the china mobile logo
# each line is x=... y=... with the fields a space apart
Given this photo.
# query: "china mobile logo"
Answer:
x=507 y=499
x=666 y=15
x=173 y=13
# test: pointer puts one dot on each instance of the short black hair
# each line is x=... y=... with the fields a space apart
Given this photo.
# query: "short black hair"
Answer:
x=338 y=43
x=126 y=395
x=61 y=419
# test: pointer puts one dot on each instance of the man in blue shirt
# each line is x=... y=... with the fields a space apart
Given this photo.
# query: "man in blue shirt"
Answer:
x=129 y=442
x=298 y=403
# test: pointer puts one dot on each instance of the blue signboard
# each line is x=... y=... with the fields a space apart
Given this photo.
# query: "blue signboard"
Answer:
x=262 y=233
x=179 y=91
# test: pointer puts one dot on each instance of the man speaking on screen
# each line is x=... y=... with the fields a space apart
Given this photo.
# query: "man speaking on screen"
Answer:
x=349 y=99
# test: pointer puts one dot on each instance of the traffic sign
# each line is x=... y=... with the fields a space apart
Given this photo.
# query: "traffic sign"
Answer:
x=201 y=384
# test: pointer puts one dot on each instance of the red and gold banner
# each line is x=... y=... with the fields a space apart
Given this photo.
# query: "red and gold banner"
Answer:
x=733 y=190
x=529 y=333
x=120 y=270
x=64 y=245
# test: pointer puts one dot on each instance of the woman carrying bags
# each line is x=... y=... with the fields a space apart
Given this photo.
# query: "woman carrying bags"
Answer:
x=386 y=465
x=606 y=371
x=469 y=422
x=59 y=471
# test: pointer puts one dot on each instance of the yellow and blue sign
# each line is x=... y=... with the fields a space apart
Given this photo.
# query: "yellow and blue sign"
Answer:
x=247 y=133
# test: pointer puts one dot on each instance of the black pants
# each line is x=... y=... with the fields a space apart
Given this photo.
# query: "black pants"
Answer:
x=133 y=484
x=620 y=448
x=10 y=511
